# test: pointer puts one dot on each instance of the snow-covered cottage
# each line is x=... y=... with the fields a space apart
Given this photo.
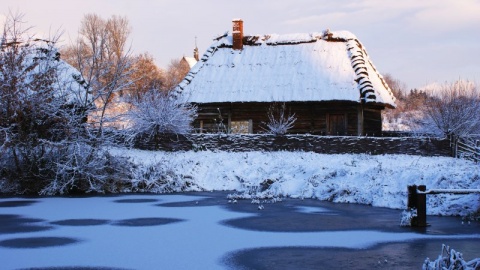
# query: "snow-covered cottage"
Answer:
x=326 y=79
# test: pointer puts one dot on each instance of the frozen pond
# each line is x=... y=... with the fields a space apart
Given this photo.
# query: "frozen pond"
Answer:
x=206 y=231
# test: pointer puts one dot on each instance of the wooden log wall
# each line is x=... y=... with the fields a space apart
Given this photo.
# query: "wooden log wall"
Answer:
x=307 y=143
x=312 y=117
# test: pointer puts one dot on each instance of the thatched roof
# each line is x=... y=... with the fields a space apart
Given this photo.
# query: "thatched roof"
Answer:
x=328 y=66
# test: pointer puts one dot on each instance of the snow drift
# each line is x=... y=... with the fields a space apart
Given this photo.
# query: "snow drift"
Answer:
x=380 y=180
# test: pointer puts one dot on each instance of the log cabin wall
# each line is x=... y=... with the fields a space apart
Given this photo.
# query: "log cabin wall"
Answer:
x=372 y=122
x=317 y=118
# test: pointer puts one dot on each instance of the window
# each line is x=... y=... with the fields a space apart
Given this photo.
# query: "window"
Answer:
x=241 y=127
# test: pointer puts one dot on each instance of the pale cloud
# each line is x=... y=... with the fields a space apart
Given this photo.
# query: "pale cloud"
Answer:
x=447 y=15
x=436 y=16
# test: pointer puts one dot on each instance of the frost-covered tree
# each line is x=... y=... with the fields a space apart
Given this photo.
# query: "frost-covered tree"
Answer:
x=278 y=121
x=45 y=142
x=34 y=111
x=453 y=108
x=159 y=112
x=101 y=56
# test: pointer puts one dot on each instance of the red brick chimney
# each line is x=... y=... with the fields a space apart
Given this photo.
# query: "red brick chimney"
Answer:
x=237 y=34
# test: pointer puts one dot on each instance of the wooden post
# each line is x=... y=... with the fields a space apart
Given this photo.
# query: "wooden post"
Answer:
x=360 y=121
x=412 y=197
x=418 y=201
x=412 y=203
x=422 y=207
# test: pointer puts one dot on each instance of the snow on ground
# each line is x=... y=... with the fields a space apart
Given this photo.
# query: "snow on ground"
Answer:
x=378 y=180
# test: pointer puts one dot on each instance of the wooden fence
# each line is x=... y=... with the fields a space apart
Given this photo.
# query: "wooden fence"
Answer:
x=417 y=199
x=423 y=146
x=467 y=147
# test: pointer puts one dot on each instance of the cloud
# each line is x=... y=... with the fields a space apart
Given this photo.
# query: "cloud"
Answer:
x=448 y=15
x=437 y=16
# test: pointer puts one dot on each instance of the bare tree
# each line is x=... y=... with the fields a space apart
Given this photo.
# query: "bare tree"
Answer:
x=145 y=76
x=176 y=71
x=454 y=108
x=398 y=87
x=101 y=56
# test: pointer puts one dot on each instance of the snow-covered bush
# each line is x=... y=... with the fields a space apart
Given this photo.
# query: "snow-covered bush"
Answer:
x=278 y=122
x=158 y=178
x=80 y=168
x=407 y=216
x=450 y=259
x=159 y=112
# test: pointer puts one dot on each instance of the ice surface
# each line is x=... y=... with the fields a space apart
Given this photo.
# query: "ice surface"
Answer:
x=198 y=242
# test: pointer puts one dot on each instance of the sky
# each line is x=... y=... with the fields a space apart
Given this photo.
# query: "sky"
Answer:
x=417 y=42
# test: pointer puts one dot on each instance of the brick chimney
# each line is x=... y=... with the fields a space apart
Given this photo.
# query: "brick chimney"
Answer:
x=237 y=34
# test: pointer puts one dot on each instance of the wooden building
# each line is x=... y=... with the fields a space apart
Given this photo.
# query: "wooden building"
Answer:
x=326 y=79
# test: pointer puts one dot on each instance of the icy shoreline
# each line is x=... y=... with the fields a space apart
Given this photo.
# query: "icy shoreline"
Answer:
x=377 y=180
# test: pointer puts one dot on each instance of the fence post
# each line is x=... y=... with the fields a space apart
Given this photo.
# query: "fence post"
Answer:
x=419 y=202
x=422 y=207
x=412 y=197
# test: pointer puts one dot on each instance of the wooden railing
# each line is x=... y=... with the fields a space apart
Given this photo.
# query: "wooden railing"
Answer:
x=467 y=147
x=417 y=200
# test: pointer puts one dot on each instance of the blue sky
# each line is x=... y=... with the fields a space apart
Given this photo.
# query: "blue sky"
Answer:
x=418 y=42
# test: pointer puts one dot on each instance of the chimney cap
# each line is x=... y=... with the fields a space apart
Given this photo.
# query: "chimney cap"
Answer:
x=237 y=20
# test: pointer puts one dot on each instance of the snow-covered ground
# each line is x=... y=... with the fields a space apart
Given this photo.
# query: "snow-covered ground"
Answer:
x=378 y=180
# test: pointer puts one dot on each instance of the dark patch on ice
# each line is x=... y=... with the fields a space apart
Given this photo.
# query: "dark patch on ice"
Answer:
x=287 y=216
x=19 y=224
x=404 y=255
x=80 y=222
x=17 y=203
x=136 y=201
x=139 y=222
x=217 y=198
x=37 y=242
x=74 y=268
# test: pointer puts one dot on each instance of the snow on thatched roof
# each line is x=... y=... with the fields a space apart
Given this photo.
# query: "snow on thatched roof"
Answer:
x=71 y=86
x=324 y=66
x=68 y=86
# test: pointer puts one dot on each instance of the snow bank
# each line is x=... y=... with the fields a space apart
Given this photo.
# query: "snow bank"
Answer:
x=375 y=180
